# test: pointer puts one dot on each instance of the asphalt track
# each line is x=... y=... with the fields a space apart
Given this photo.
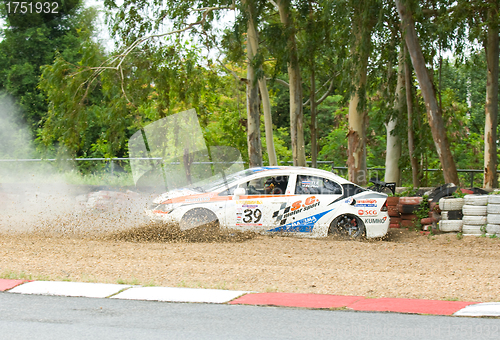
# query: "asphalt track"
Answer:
x=44 y=317
x=216 y=296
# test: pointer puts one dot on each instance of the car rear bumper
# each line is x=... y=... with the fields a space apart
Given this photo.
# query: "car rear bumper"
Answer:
x=377 y=226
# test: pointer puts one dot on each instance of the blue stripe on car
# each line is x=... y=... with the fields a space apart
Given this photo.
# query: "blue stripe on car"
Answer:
x=304 y=225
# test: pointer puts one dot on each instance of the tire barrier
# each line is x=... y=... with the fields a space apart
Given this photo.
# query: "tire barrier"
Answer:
x=447 y=203
x=451 y=214
x=493 y=215
x=474 y=211
x=450 y=225
x=392 y=209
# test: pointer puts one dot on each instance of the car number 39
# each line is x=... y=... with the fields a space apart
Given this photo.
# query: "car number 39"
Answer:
x=252 y=216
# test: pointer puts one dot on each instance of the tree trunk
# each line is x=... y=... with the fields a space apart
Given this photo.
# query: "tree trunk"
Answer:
x=253 y=114
x=411 y=137
x=253 y=41
x=268 y=122
x=433 y=113
x=356 y=137
x=491 y=107
x=393 y=154
x=314 y=147
x=295 y=80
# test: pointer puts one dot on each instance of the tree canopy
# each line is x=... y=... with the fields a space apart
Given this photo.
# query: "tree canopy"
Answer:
x=327 y=71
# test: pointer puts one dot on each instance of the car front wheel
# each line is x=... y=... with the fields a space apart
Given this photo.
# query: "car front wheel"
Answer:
x=200 y=219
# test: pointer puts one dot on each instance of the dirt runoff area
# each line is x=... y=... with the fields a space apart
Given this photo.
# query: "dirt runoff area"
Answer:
x=405 y=264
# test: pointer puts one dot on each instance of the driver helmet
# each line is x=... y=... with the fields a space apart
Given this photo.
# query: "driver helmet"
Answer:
x=269 y=185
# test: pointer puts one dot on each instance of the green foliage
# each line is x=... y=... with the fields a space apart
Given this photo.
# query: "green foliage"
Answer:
x=408 y=192
x=422 y=211
x=30 y=41
x=76 y=110
x=101 y=110
x=333 y=143
x=459 y=194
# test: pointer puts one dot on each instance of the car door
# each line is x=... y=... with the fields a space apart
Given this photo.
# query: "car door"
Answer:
x=311 y=201
x=254 y=210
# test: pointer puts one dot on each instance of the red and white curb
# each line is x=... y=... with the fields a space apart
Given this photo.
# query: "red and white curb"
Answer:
x=169 y=294
x=220 y=296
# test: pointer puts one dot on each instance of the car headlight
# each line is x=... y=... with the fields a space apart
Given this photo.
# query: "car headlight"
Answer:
x=166 y=208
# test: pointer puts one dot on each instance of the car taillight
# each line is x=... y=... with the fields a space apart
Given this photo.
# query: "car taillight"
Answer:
x=384 y=207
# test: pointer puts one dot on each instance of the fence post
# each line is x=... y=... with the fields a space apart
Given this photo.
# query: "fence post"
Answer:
x=472 y=179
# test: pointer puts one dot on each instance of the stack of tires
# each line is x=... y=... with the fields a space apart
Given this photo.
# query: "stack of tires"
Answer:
x=493 y=215
x=392 y=209
x=407 y=207
x=474 y=214
x=451 y=214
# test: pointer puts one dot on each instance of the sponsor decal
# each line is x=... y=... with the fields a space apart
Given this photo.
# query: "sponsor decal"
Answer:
x=297 y=207
x=362 y=212
x=310 y=184
x=375 y=220
x=197 y=199
x=304 y=225
x=366 y=203
x=348 y=200
x=248 y=213
x=264 y=168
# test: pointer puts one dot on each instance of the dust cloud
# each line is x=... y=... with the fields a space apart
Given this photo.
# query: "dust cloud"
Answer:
x=35 y=197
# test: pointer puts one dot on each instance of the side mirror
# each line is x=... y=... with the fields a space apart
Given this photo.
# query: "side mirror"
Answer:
x=239 y=192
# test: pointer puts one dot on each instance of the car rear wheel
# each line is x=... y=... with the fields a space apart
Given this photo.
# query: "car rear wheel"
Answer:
x=203 y=220
x=347 y=226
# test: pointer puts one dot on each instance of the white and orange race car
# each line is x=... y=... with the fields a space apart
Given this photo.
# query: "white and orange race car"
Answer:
x=295 y=200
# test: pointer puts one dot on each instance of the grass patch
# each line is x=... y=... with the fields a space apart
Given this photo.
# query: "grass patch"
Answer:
x=133 y=282
x=151 y=283
x=12 y=275
x=271 y=289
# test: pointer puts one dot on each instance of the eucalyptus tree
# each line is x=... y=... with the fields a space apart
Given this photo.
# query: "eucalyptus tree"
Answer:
x=253 y=54
x=481 y=18
x=363 y=19
x=406 y=10
x=393 y=149
x=131 y=22
x=492 y=56
x=318 y=58
x=286 y=15
x=253 y=112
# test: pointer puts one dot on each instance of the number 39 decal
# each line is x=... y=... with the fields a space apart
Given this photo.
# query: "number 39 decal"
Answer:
x=252 y=216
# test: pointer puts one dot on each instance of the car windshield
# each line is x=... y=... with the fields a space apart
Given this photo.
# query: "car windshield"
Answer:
x=226 y=181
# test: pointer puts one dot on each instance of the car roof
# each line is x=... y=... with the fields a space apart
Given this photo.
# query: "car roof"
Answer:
x=297 y=169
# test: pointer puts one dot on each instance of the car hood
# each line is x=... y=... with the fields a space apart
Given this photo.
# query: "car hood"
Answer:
x=174 y=194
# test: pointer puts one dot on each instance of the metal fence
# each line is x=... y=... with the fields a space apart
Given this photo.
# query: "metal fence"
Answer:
x=341 y=170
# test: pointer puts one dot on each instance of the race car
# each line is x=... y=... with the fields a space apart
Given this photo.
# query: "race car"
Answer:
x=282 y=199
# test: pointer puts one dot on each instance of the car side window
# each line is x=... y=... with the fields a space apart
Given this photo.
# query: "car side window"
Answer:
x=312 y=185
x=228 y=192
x=269 y=185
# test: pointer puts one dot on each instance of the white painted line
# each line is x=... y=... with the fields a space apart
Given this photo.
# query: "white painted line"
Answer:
x=481 y=309
x=94 y=290
x=170 y=294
